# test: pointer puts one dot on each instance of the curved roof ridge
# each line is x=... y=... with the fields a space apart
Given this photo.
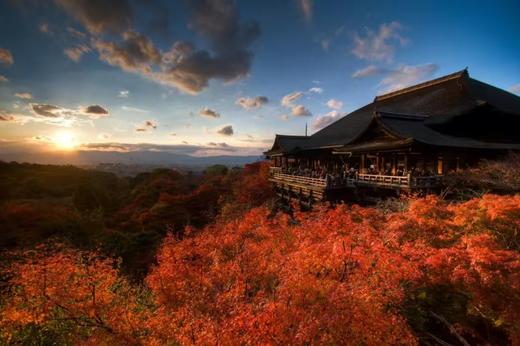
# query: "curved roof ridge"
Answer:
x=403 y=115
x=291 y=136
x=456 y=75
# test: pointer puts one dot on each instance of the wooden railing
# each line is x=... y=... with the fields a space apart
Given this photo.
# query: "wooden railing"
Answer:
x=405 y=181
x=377 y=179
x=299 y=179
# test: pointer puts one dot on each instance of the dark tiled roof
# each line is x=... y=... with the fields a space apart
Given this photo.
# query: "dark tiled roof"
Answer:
x=444 y=97
x=287 y=144
x=415 y=128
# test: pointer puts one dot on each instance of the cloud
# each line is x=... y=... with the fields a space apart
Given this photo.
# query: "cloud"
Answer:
x=212 y=148
x=370 y=70
x=334 y=104
x=11 y=117
x=325 y=43
x=406 y=75
x=284 y=117
x=209 y=113
x=44 y=27
x=252 y=102
x=316 y=90
x=146 y=126
x=76 y=33
x=50 y=111
x=6 y=117
x=124 y=93
x=380 y=45
x=184 y=67
x=220 y=145
x=326 y=119
x=134 y=109
x=300 y=111
x=6 y=57
x=226 y=130
x=306 y=7
x=24 y=96
x=289 y=99
x=75 y=53
x=136 y=53
x=57 y=115
x=229 y=57
x=95 y=111
x=515 y=89
x=104 y=136
x=3 y=79
x=100 y=16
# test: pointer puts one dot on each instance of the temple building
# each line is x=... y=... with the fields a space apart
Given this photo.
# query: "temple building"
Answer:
x=406 y=140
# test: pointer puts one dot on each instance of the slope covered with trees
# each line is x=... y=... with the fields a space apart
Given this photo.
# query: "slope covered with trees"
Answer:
x=433 y=273
x=124 y=218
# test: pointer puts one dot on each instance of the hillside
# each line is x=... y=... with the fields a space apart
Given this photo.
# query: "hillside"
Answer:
x=433 y=273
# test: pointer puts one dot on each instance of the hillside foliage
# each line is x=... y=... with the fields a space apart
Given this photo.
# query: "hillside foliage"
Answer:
x=435 y=272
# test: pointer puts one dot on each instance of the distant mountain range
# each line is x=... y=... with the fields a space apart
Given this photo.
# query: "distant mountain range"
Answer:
x=86 y=158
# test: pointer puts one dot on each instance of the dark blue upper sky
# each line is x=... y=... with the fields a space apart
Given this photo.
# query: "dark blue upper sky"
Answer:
x=208 y=76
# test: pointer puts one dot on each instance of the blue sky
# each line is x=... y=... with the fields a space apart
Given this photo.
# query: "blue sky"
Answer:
x=222 y=77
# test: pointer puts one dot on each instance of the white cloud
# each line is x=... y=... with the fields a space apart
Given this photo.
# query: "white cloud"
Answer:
x=75 y=53
x=306 y=7
x=24 y=96
x=316 y=90
x=326 y=119
x=515 y=89
x=123 y=93
x=6 y=57
x=325 y=43
x=370 y=70
x=380 y=45
x=252 y=102
x=3 y=79
x=289 y=99
x=134 y=109
x=334 y=104
x=75 y=33
x=406 y=75
x=284 y=117
x=300 y=111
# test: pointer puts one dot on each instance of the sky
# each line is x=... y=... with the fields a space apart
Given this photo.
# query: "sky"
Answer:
x=222 y=77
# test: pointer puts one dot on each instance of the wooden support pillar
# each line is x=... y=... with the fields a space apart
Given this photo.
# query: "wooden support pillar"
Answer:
x=394 y=164
x=406 y=162
x=362 y=168
x=440 y=165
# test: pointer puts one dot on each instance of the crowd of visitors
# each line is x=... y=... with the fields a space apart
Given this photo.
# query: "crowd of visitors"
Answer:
x=340 y=175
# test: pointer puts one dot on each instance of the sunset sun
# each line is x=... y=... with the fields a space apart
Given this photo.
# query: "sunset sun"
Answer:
x=64 y=140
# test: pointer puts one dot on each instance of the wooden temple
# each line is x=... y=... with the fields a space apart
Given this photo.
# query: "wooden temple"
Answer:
x=406 y=140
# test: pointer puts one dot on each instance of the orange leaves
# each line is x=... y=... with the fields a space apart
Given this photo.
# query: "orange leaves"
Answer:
x=70 y=286
x=331 y=276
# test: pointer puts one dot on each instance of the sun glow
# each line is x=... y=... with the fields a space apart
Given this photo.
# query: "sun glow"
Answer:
x=64 y=141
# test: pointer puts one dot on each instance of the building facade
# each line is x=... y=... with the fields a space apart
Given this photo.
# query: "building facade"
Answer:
x=407 y=140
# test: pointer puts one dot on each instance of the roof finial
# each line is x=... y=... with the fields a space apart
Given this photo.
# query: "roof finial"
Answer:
x=305 y=129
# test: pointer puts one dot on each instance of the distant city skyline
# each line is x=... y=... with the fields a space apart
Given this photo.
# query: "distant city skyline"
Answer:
x=219 y=77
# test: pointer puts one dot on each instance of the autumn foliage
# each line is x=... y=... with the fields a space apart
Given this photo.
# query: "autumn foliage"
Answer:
x=343 y=276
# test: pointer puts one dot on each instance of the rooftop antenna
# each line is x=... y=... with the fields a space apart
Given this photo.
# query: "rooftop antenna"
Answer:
x=305 y=129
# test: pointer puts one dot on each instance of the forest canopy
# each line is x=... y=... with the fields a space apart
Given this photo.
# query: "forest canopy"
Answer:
x=429 y=272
